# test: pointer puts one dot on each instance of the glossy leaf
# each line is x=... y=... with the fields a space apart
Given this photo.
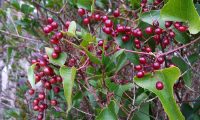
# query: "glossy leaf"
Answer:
x=108 y=113
x=184 y=67
x=59 y=61
x=68 y=75
x=87 y=39
x=86 y=4
x=92 y=57
x=182 y=10
x=72 y=29
x=168 y=76
x=31 y=75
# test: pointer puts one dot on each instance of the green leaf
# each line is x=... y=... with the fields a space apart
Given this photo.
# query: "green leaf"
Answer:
x=182 y=10
x=72 y=29
x=92 y=57
x=15 y=4
x=108 y=113
x=9 y=53
x=68 y=75
x=31 y=75
x=92 y=6
x=142 y=113
x=168 y=76
x=59 y=61
x=26 y=9
x=180 y=63
x=87 y=39
x=134 y=3
x=86 y=4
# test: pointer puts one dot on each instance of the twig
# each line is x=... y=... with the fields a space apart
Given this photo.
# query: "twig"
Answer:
x=83 y=112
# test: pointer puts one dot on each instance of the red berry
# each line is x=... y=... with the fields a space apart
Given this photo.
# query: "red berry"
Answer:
x=156 y=65
x=40 y=117
x=140 y=74
x=59 y=35
x=46 y=30
x=108 y=23
x=31 y=91
x=120 y=28
x=148 y=49
x=37 y=78
x=99 y=52
x=97 y=17
x=116 y=13
x=55 y=55
x=56 y=89
x=43 y=63
x=81 y=11
x=86 y=21
x=168 y=24
x=142 y=60
x=166 y=42
x=107 y=30
x=50 y=28
x=36 y=102
x=53 y=80
x=104 y=18
x=156 y=38
x=138 y=46
x=125 y=38
x=48 y=70
x=54 y=102
x=42 y=106
x=160 y=60
x=138 y=67
x=139 y=33
x=54 y=41
x=57 y=49
x=41 y=96
x=127 y=29
x=177 y=25
x=149 y=30
x=159 y=85
x=50 y=20
x=54 y=25
x=172 y=34
x=136 y=41
x=158 y=31
x=36 y=108
x=100 y=43
x=182 y=28
x=59 y=79
x=47 y=85
x=67 y=23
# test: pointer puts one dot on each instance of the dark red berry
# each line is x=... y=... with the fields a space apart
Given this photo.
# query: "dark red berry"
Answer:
x=125 y=38
x=50 y=20
x=120 y=28
x=31 y=91
x=172 y=34
x=35 y=107
x=99 y=52
x=59 y=35
x=36 y=102
x=160 y=60
x=57 y=49
x=107 y=30
x=67 y=23
x=158 y=31
x=177 y=25
x=47 y=85
x=116 y=13
x=138 y=67
x=40 y=117
x=108 y=23
x=55 y=55
x=48 y=70
x=56 y=89
x=46 y=30
x=139 y=33
x=142 y=60
x=138 y=46
x=156 y=65
x=148 y=49
x=159 y=85
x=37 y=78
x=149 y=30
x=54 y=25
x=104 y=18
x=182 y=28
x=41 y=96
x=97 y=17
x=54 y=41
x=86 y=21
x=81 y=11
x=50 y=28
x=53 y=80
x=59 y=79
x=54 y=102
x=168 y=24
x=100 y=43
x=43 y=63
x=136 y=41
x=140 y=74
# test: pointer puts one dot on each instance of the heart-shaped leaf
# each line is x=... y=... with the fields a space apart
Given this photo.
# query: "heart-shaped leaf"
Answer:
x=68 y=75
x=182 y=10
x=168 y=77
x=31 y=75
x=59 y=61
